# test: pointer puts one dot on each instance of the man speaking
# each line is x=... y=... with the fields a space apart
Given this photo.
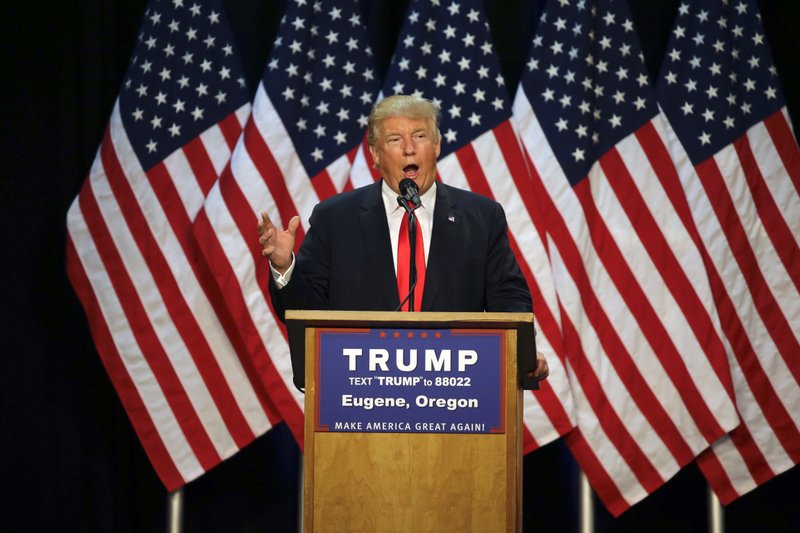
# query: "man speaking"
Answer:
x=361 y=253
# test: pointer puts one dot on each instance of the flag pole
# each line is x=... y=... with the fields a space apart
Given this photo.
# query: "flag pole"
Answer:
x=175 y=511
x=586 y=510
x=716 y=515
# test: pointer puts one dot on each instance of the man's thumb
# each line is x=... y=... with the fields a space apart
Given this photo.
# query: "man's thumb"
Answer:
x=294 y=223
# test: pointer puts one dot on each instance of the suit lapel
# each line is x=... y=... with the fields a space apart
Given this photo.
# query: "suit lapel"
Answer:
x=375 y=230
x=444 y=245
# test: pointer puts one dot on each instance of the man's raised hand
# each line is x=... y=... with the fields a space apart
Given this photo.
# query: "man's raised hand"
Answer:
x=277 y=245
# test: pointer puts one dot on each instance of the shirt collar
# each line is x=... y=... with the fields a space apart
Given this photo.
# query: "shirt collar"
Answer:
x=390 y=199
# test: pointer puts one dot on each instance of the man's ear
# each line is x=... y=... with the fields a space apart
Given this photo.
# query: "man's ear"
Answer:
x=375 y=157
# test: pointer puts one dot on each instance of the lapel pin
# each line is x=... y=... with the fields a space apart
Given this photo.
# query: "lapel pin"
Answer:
x=451 y=218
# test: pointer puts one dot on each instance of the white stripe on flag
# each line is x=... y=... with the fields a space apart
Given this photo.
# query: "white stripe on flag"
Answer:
x=216 y=145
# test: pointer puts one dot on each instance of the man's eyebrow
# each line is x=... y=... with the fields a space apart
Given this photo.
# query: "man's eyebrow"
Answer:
x=418 y=130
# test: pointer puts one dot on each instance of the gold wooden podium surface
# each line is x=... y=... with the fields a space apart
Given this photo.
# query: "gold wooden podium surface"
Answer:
x=414 y=482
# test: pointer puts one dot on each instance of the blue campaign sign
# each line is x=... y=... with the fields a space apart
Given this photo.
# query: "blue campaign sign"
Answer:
x=410 y=380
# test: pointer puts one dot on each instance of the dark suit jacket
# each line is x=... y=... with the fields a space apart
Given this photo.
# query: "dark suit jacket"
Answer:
x=346 y=262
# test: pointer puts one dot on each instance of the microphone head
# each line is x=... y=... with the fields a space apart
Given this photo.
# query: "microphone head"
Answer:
x=408 y=186
x=410 y=190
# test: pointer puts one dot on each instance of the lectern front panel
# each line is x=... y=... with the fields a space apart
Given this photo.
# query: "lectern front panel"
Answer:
x=448 y=473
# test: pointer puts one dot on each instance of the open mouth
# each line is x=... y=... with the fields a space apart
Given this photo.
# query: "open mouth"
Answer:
x=410 y=171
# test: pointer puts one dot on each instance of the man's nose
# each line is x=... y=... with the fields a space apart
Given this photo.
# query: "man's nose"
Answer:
x=408 y=148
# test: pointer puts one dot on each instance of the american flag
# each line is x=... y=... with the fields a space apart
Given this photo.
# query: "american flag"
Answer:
x=647 y=363
x=445 y=53
x=309 y=116
x=133 y=261
x=721 y=94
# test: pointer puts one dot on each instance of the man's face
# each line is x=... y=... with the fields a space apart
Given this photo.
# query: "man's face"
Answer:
x=406 y=148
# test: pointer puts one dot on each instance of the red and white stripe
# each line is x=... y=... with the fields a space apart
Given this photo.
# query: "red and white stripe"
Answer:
x=265 y=174
x=647 y=365
x=161 y=331
x=746 y=206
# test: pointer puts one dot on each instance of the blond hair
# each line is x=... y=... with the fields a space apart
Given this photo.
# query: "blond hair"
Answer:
x=403 y=105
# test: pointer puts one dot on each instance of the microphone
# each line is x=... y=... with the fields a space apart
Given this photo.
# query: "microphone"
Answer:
x=409 y=195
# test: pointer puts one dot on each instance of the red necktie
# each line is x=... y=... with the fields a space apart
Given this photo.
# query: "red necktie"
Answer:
x=403 y=270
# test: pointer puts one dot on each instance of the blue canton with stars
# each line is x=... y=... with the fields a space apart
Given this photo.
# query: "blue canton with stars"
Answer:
x=321 y=79
x=184 y=77
x=586 y=81
x=717 y=79
x=445 y=54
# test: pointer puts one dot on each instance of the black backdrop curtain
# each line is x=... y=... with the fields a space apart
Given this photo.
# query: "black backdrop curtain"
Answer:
x=70 y=459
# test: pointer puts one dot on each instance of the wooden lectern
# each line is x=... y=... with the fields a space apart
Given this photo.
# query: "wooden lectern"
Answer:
x=427 y=475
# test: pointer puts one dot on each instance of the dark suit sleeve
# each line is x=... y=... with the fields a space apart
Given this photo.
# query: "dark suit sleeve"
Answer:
x=506 y=288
